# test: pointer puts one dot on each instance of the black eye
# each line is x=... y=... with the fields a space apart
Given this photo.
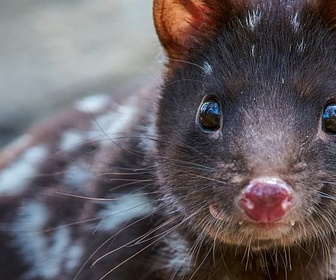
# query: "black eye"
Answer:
x=329 y=118
x=210 y=115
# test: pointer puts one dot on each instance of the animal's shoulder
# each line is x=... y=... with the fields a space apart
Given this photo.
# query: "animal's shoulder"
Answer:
x=74 y=145
x=69 y=178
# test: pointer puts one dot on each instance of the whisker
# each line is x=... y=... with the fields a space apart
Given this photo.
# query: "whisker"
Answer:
x=143 y=239
x=187 y=62
x=326 y=195
x=135 y=254
x=129 y=258
x=200 y=265
x=108 y=240
x=208 y=178
x=124 y=246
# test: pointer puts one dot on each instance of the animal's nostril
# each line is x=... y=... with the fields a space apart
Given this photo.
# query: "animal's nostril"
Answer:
x=266 y=200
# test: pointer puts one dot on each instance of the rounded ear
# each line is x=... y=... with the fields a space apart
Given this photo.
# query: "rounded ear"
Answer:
x=182 y=24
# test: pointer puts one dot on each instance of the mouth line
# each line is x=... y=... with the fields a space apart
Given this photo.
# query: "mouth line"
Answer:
x=277 y=228
x=217 y=214
x=270 y=226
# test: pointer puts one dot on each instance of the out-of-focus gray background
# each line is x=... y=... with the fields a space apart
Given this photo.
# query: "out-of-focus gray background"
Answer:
x=55 y=51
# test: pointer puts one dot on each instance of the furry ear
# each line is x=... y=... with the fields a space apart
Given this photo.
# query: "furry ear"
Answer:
x=182 y=24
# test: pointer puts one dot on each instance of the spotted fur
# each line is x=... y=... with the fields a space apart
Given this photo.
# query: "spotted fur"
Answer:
x=141 y=190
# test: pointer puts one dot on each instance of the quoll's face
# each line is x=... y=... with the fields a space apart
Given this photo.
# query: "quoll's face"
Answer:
x=248 y=132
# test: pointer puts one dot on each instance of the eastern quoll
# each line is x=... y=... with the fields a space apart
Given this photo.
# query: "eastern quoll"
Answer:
x=227 y=171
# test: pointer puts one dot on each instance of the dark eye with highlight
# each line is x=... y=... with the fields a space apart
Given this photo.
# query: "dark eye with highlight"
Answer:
x=329 y=118
x=209 y=115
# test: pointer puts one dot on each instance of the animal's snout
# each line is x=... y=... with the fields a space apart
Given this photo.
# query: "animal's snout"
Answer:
x=266 y=199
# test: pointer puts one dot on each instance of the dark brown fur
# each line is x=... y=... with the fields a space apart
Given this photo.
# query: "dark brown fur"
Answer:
x=271 y=66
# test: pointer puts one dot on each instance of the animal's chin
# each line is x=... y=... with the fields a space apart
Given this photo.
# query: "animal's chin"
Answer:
x=268 y=235
x=258 y=245
x=258 y=236
x=261 y=238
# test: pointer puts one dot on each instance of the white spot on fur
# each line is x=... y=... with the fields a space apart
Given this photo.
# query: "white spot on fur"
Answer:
x=45 y=252
x=124 y=210
x=76 y=176
x=178 y=250
x=15 y=178
x=71 y=139
x=74 y=255
x=301 y=47
x=295 y=21
x=125 y=115
x=92 y=104
x=253 y=50
x=253 y=19
x=113 y=125
x=147 y=141
x=207 y=68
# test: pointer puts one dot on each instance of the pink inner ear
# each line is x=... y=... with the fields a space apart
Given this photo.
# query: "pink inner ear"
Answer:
x=197 y=20
x=200 y=14
x=180 y=23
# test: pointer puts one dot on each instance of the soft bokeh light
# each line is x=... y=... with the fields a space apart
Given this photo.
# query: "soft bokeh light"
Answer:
x=53 y=52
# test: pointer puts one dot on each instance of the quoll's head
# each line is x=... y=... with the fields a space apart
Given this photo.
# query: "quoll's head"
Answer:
x=247 y=118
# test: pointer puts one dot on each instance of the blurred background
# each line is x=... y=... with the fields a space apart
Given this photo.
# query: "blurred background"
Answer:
x=53 y=52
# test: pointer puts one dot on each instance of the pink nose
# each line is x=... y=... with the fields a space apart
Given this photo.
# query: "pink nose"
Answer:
x=266 y=199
